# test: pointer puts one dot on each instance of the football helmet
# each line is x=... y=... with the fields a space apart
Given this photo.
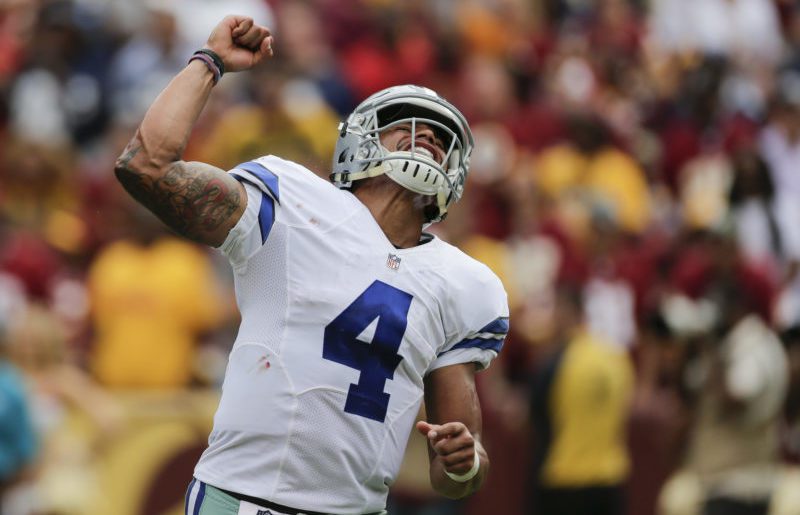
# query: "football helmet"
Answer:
x=359 y=153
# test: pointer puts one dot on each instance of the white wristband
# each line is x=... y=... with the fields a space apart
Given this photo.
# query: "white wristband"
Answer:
x=463 y=478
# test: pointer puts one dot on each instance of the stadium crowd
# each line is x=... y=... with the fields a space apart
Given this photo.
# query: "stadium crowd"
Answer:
x=635 y=184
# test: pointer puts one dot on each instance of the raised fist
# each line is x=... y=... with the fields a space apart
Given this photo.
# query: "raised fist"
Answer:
x=240 y=43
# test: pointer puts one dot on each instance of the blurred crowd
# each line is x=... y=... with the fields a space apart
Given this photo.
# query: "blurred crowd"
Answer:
x=635 y=184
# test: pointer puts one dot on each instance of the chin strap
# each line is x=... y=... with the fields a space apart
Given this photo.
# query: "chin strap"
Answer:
x=373 y=171
x=441 y=202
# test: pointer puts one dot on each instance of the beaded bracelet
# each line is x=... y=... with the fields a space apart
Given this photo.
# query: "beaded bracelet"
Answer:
x=215 y=57
x=212 y=61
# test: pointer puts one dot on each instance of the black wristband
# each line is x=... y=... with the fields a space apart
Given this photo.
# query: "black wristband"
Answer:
x=214 y=57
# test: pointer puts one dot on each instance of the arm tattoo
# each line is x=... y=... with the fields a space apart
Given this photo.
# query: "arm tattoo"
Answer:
x=193 y=199
x=133 y=148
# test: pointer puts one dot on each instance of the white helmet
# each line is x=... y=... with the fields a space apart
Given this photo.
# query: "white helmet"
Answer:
x=359 y=153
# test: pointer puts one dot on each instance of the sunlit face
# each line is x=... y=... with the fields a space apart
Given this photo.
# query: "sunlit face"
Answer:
x=425 y=141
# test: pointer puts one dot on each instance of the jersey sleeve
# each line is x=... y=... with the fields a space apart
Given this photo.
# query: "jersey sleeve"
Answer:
x=476 y=320
x=253 y=228
x=279 y=192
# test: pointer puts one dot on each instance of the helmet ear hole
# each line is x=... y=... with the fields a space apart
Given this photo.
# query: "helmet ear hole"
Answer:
x=343 y=156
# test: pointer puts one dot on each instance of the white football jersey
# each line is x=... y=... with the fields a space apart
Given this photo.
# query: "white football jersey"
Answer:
x=338 y=330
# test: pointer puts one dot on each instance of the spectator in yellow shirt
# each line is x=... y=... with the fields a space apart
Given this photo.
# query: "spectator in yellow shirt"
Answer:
x=598 y=175
x=152 y=300
x=579 y=405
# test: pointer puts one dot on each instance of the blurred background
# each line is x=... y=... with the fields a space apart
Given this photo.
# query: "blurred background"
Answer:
x=635 y=184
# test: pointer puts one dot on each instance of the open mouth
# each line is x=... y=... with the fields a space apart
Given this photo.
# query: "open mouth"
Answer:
x=424 y=149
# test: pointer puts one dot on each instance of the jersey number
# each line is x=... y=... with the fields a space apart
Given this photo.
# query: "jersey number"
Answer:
x=378 y=360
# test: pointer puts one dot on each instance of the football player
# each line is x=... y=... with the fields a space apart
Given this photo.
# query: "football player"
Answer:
x=352 y=315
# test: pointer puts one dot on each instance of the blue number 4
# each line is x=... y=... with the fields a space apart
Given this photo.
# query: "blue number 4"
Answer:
x=378 y=360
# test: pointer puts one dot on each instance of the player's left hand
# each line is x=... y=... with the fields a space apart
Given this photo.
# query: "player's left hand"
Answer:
x=453 y=442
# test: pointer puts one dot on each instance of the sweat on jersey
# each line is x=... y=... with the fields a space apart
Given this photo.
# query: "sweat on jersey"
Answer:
x=338 y=330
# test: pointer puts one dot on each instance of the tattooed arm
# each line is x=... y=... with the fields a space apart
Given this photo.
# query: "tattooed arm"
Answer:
x=196 y=200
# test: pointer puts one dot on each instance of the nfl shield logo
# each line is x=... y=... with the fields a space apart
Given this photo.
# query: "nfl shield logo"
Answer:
x=393 y=262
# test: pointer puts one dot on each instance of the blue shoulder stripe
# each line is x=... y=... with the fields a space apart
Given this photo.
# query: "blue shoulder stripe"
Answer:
x=499 y=326
x=268 y=178
x=266 y=216
x=266 y=212
x=477 y=343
